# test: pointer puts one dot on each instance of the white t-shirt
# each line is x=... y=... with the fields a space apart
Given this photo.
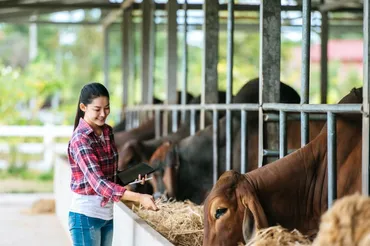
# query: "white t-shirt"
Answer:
x=89 y=205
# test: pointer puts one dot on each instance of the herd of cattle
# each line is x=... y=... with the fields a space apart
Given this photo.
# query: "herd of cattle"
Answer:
x=291 y=191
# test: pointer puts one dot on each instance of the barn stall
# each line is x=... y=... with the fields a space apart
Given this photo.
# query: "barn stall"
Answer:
x=269 y=74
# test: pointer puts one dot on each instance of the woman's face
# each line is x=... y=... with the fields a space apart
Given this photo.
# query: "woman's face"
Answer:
x=96 y=112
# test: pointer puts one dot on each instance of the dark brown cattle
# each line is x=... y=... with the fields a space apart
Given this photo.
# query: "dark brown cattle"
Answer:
x=135 y=150
x=188 y=165
x=291 y=192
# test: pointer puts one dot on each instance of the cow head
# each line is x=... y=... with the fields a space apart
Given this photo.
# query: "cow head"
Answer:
x=166 y=162
x=232 y=211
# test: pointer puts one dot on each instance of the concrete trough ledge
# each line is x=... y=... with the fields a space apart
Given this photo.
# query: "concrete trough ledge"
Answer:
x=130 y=229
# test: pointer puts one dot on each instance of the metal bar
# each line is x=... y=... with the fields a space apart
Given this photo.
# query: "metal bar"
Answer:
x=174 y=120
x=157 y=119
x=324 y=55
x=229 y=139
x=145 y=50
x=230 y=51
x=332 y=159
x=126 y=46
x=185 y=61
x=171 y=61
x=282 y=135
x=366 y=100
x=152 y=37
x=215 y=146
x=244 y=142
x=305 y=78
x=311 y=108
x=106 y=57
x=209 y=56
x=159 y=6
x=293 y=116
x=315 y=108
x=229 y=82
x=275 y=153
x=269 y=72
x=192 y=121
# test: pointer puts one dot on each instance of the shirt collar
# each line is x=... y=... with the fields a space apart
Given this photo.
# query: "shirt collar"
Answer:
x=85 y=128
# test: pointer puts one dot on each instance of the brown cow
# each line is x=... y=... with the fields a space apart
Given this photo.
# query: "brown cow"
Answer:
x=291 y=192
x=188 y=164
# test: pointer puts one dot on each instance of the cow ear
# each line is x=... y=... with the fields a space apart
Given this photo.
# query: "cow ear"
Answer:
x=260 y=220
x=248 y=225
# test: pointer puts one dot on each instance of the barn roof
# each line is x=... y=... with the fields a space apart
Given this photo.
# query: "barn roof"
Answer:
x=22 y=10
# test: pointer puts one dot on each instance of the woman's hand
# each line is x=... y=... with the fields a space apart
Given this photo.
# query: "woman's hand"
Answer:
x=142 y=179
x=147 y=201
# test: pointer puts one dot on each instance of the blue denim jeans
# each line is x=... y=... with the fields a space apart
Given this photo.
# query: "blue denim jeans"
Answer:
x=88 y=231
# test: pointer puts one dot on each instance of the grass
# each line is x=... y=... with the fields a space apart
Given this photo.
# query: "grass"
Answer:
x=17 y=185
x=21 y=180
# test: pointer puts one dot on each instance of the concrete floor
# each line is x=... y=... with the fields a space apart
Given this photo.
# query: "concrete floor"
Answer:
x=19 y=228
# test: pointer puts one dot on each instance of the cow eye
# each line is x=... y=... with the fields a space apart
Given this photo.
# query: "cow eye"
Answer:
x=220 y=212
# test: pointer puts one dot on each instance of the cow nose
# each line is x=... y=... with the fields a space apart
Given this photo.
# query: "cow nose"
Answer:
x=159 y=195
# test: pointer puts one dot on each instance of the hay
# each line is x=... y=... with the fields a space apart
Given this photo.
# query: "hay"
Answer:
x=277 y=235
x=41 y=206
x=179 y=222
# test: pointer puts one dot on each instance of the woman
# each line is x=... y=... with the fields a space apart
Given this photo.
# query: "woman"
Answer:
x=93 y=158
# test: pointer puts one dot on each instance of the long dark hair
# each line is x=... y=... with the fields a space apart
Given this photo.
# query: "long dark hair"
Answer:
x=88 y=93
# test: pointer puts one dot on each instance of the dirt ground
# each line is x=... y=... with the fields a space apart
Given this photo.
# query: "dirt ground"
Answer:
x=18 y=227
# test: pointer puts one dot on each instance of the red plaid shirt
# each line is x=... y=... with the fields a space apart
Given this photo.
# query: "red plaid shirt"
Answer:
x=94 y=163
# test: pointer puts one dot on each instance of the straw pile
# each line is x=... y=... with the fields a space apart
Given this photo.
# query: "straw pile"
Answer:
x=180 y=222
x=42 y=206
x=277 y=235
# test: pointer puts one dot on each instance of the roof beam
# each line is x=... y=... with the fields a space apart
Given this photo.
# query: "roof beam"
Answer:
x=115 y=14
x=57 y=6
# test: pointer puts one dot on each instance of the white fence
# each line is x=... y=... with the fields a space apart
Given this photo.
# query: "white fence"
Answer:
x=48 y=148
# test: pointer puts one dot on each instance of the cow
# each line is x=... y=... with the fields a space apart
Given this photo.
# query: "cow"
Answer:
x=135 y=150
x=291 y=191
x=186 y=168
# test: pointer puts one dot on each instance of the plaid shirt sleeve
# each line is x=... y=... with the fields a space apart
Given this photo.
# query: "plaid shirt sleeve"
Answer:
x=86 y=158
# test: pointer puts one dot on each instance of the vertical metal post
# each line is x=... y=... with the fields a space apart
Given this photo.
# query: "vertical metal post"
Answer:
x=171 y=60
x=305 y=79
x=151 y=67
x=332 y=159
x=244 y=142
x=146 y=67
x=324 y=55
x=282 y=134
x=210 y=55
x=269 y=84
x=366 y=110
x=157 y=119
x=106 y=56
x=174 y=120
x=229 y=82
x=185 y=61
x=192 y=122
x=126 y=59
x=215 y=146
